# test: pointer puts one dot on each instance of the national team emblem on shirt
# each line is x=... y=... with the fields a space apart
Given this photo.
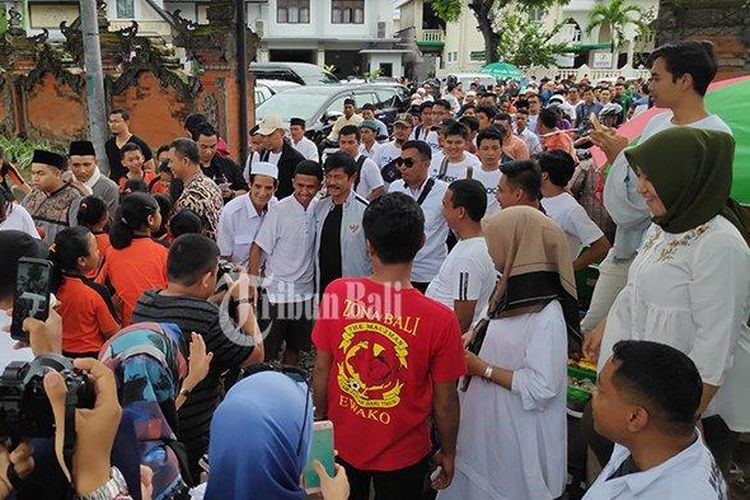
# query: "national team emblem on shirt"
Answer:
x=372 y=366
x=353 y=227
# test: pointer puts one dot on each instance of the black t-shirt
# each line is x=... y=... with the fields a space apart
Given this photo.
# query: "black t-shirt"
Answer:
x=223 y=170
x=202 y=317
x=114 y=156
x=330 y=247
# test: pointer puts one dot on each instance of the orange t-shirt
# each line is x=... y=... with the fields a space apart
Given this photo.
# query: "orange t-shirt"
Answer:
x=148 y=176
x=560 y=140
x=133 y=270
x=86 y=311
x=157 y=187
x=102 y=241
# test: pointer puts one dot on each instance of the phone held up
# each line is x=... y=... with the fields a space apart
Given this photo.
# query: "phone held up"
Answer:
x=32 y=296
x=322 y=450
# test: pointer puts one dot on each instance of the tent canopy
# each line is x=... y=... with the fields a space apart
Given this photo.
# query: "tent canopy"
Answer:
x=502 y=70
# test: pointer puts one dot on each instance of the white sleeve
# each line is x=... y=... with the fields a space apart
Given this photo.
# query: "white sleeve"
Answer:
x=225 y=235
x=267 y=234
x=371 y=175
x=543 y=372
x=27 y=223
x=584 y=228
x=466 y=279
x=719 y=294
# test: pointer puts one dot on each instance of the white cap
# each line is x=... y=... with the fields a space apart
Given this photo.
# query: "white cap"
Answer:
x=270 y=124
x=264 y=168
x=557 y=98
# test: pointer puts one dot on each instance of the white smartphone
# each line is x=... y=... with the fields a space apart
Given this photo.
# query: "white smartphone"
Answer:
x=321 y=449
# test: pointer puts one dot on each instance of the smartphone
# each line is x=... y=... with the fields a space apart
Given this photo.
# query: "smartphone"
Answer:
x=322 y=450
x=596 y=123
x=32 y=296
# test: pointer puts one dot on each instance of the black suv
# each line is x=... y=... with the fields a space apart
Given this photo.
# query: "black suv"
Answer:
x=302 y=73
x=321 y=105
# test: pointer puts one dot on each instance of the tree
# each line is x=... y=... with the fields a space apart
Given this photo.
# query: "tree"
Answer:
x=525 y=43
x=486 y=12
x=617 y=16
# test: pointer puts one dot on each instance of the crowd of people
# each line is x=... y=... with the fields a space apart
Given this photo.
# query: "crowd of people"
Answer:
x=429 y=273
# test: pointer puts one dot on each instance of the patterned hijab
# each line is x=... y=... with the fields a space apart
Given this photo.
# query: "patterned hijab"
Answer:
x=531 y=253
x=691 y=170
x=148 y=367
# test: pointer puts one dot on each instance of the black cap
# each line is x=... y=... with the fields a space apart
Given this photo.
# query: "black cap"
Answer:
x=297 y=121
x=81 y=148
x=49 y=158
x=14 y=245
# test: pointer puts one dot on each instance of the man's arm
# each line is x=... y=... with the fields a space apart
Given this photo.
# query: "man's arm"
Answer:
x=377 y=193
x=465 y=309
x=321 y=372
x=595 y=252
x=253 y=268
x=447 y=413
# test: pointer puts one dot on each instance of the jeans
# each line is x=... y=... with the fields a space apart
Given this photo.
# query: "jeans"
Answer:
x=613 y=275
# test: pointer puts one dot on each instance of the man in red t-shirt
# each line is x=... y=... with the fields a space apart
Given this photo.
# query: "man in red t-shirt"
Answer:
x=388 y=357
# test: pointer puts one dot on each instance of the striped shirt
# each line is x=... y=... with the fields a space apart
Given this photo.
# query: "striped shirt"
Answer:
x=202 y=317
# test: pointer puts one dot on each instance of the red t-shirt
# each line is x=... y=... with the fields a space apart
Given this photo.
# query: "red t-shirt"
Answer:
x=388 y=348
x=86 y=315
x=133 y=270
x=148 y=176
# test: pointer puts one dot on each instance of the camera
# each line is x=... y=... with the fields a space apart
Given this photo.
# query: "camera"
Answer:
x=25 y=410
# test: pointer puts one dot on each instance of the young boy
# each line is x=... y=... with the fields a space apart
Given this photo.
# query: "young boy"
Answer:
x=133 y=159
x=160 y=184
x=557 y=169
x=455 y=162
x=490 y=151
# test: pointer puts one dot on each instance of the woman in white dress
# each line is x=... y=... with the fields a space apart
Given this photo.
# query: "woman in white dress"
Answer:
x=689 y=285
x=512 y=435
x=14 y=216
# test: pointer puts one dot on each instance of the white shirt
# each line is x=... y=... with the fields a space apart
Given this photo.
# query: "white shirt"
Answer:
x=579 y=229
x=387 y=153
x=287 y=238
x=426 y=135
x=306 y=148
x=692 y=474
x=466 y=274
x=431 y=256
x=454 y=171
x=512 y=444
x=372 y=153
x=7 y=353
x=490 y=181
x=691 y=291
x=369 y=178
x=255 y=158
x=531 y=140
x=238 y=224
x=20 y=220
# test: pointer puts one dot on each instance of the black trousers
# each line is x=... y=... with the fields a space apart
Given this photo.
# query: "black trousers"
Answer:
x=406 y=483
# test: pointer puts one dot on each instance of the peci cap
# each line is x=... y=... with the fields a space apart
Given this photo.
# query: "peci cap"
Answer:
x=369 y=124
x=49 y=158
x=81 y=148
x=404 y=119
x=270 y=124
x=265 y=168
x=297 y=121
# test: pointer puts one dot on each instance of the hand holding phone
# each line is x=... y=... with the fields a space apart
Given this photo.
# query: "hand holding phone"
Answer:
x=32 y=296
x=321 y=450
x=596 y=123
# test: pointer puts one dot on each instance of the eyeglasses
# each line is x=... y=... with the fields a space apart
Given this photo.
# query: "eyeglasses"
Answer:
x=297 y=375
x=405 y=162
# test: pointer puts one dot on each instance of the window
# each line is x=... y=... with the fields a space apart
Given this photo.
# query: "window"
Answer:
x=125 y=9
x=348 y=11
x=293 y=12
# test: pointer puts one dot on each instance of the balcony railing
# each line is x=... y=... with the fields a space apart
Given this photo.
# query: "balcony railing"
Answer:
x=432 y=36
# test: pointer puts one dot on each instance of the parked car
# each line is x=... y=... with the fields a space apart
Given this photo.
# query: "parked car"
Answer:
x=262 y=93
x=321 y=105
x=301 y=73
x=277 y=86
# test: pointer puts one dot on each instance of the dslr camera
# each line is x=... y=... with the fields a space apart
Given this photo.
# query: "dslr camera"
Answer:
x=25 y=411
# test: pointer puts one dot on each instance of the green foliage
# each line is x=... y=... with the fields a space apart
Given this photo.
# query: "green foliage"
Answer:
x=371 y=75
x=20 y=151
x=524 y=43
x=447 y=10
x=617 y=15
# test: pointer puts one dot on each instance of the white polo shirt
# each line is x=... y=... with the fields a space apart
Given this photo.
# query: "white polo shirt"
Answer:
x=306 y=148
x=431 y=256
x=692 y=474
x=238 y=224
x=287 y=238
x=454 y=171
x=371 y=153
x=466 y=274
x=387 y=153
x=369 y=178
x=579 y=229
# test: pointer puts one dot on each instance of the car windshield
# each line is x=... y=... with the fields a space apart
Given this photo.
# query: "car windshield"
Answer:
x=292 y=104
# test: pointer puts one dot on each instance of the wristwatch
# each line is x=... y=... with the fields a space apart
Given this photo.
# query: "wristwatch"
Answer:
x=488 y=373
x=185 y=392
x=115 y=488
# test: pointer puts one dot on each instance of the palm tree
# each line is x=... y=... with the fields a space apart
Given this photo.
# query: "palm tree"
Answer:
x=616 y=16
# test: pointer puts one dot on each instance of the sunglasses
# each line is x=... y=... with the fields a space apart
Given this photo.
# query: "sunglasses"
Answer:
x=405 y=162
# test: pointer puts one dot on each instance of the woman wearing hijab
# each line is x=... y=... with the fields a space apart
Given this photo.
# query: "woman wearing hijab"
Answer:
x=512 y=435
x=148 y=367
x=688 y=286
